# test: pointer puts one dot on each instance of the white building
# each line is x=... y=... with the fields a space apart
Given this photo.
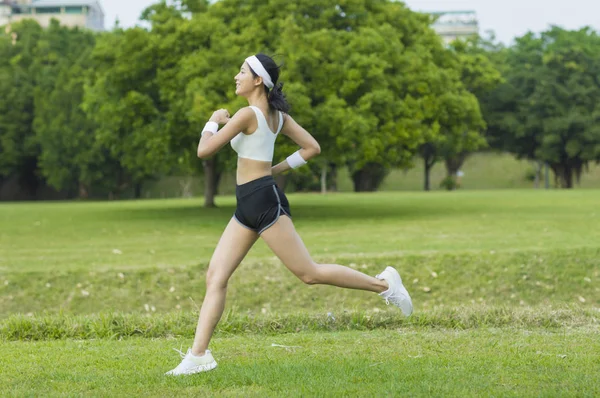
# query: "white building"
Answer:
x=452 y=25
x=81 y=13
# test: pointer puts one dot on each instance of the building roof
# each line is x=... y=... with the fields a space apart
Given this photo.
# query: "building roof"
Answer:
x=456 y=18
x=63 y=3
x=452 y=12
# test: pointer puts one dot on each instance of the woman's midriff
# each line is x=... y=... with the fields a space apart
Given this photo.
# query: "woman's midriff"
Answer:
x=249 y=170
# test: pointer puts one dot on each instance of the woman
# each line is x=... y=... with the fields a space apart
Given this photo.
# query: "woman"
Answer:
x=262 y=208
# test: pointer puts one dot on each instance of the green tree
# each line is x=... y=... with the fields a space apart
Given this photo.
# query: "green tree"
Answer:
x=125 y=105
x=362 y=76
x=68 y=158
x=18 y=148
x=355 y=69
x=548 y=109
x=479 y=75
x=365 y=110
x=450 y=114
x=44 y=135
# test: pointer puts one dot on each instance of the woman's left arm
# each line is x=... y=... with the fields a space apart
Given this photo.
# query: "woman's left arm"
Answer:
x=210 y=142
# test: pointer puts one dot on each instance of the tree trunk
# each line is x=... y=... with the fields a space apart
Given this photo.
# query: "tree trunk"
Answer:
x=563 y=175
x=324 y=178
x=333 y=177
x=567 y=178
x=427 y=152
x=453 y=165
x=84 y=191
x=28 y=178
x=369 y=177
x=211 y=182
x=185 y=185
x=578 y=168
x=538 y=174
x=137 y=188
x=428 y=164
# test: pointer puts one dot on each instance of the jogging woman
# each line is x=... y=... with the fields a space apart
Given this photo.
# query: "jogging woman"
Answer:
x=262 y=208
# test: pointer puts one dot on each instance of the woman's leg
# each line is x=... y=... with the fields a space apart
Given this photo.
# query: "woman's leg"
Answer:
x=233 y=246
x=285 y=242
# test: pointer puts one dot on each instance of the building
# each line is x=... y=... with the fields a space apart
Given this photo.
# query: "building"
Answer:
x=452 y=25
x=81 y=13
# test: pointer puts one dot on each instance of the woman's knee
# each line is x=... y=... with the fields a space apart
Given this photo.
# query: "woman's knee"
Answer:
x=312 y=276
x=215 y=280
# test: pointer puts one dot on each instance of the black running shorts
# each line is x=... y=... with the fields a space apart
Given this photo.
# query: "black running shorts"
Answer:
x=260 y=203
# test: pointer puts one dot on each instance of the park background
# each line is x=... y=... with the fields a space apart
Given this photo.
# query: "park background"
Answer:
x=470 y=165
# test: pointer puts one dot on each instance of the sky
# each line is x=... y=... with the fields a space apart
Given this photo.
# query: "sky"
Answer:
x=507 y=18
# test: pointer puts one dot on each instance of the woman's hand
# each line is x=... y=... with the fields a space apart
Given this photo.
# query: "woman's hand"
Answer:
x=220 y=117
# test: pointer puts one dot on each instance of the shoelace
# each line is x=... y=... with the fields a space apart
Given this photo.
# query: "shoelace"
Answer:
x=387 y=301
x=180 y=352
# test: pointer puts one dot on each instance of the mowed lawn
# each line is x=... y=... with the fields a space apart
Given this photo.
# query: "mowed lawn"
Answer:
x=506 y=287
x=102 y=236
x=472 y=363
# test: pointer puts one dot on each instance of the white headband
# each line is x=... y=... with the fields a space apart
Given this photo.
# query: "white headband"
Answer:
x=260 y=70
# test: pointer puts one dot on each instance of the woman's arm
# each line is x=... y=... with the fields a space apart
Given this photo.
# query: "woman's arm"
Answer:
x=211 y=143
x=309 y=147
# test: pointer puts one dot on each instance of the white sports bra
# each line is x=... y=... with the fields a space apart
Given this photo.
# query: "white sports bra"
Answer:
x=260 y=144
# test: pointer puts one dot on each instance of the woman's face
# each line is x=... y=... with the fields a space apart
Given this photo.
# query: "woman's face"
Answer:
x=244 y=81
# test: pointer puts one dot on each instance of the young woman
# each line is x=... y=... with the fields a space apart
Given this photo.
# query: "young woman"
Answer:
x=262 y=208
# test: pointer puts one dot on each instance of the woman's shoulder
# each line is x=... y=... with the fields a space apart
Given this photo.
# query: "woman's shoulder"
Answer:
x=245 y=111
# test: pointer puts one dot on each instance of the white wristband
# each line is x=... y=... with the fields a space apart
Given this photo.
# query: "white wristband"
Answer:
x=296 y=160
x=211 y=126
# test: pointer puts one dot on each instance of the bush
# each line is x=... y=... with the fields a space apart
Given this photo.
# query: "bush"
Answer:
x=449 y=183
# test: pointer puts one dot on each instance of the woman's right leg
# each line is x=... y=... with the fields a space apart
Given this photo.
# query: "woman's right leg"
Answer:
x=233 y=246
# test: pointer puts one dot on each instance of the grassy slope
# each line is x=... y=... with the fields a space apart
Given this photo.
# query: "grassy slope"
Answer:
x=491 y=247
x=505 y=285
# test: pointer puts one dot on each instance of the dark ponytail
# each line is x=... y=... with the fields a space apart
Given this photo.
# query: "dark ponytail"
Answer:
x=275 y=96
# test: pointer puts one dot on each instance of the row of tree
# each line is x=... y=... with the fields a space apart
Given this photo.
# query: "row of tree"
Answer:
x=96 y=114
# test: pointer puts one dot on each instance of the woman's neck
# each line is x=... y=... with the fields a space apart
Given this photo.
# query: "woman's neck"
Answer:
x=258 y=99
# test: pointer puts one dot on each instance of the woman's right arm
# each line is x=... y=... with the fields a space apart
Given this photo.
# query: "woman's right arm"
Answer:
x=211 y=143
x=309 y=147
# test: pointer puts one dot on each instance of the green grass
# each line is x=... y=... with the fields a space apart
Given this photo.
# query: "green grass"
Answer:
x=265 y=286
x=474 y=363
x=182 y=324
x=140 y=234
x=506 y=287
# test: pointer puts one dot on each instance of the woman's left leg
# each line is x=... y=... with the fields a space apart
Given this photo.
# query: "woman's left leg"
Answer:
x=285 y=242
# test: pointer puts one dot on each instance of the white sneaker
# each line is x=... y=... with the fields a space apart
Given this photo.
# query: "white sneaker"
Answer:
x=396 y=294
x=192 y=364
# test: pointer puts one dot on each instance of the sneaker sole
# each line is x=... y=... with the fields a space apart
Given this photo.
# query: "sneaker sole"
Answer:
x=197 y=369
x=407 y=308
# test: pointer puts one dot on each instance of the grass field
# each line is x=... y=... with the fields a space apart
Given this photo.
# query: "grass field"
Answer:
x=506 y=287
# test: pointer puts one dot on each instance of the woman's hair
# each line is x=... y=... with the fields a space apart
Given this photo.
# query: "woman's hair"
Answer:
x=275 y=96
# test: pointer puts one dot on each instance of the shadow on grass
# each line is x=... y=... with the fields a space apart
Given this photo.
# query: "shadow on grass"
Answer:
x=305 y=211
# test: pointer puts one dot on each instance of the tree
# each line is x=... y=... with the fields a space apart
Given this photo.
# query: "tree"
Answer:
x=479 y=76
x=44 y=135
x=17 y=84
x=364 y=110
x=68 y=158
x=125 y=105
x=449 y=113
x=548 y=108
